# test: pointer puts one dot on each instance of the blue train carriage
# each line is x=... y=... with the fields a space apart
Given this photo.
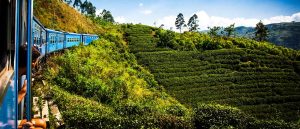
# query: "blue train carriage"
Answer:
x=88 y=38
x=55 y=40
x=39 y=36
x=72 y=39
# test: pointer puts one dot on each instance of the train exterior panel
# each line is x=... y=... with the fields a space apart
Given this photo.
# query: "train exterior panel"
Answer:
x=39 y=36
x=88 y=38
x=73 y=39
x=55 y=40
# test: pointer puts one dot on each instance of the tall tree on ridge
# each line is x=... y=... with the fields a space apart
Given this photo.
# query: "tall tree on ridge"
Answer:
x=107 y=16
x=229 y=30
x=179 y=21
x=88 y=8
x=193 y=23
x=77 y=3
x=68 y=1
x=261 y=33
x=214 y=31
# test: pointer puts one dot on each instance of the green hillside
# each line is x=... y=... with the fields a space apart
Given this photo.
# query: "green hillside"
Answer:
x=98 y=86
x=104 y=85
x=282 y=34
x=245 y=74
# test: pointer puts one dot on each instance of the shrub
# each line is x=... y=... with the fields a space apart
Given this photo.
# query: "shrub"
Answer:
x=211 y=115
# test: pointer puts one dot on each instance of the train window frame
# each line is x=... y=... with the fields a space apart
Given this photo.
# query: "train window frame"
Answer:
x=7 y=46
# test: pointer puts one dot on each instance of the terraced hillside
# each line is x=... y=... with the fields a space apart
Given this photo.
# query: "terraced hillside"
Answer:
x=141 y=39
x=262 y=84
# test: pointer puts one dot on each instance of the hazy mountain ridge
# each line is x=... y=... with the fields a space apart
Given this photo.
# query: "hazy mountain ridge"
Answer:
x=283 y=34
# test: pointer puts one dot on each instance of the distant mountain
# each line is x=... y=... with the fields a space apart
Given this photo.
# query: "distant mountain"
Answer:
x=283 y=34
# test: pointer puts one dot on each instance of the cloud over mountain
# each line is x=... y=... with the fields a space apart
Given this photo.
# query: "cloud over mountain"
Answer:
x=205 y=20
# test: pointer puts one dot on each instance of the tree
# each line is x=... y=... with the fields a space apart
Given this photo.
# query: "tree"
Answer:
x=77 y=3
x=161 y=26
x=214 y=31
x=68 y=1
x=107 y=16
x=193 y=23
x=229 y=30
x=179 y=21
x=88 y=8
x=261 y=33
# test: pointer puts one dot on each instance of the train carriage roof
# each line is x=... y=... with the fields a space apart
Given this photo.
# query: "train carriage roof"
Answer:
x=38 y=22
x=54 y=31
x=90 y=35
x=69 y=33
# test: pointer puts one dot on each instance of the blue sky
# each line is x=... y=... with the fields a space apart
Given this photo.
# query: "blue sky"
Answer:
x=210 y=12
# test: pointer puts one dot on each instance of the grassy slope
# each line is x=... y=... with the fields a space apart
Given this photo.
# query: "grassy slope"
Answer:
x=101 y=85
x=264 y=85
x=123 y=91
x=57 y=15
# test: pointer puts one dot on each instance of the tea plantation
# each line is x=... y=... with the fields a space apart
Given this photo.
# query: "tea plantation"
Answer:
x=260 y=82
x=196 y=81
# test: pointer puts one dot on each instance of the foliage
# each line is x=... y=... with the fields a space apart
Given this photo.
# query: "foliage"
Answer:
x=217 y=116
x=179 y=21
x=104 y=73
x=77 y=3
x=214 y=31
x=261 y=33
x=229 y=30
x=209 y=116
x=259 y=78
x=193 y=23
x=166 y=37
x=102 y=85
x=88 y=8
x=199 y=41
x=58 y=15
x=106 y=16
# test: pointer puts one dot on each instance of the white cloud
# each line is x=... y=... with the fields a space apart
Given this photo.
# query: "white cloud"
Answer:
x=209 y=21
x=141 y=4
x=120 y=19
x=98 y=11
x=146 y=12
x=296 y=17
x=168 y=22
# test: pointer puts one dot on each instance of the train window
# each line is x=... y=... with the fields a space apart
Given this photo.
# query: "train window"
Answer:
x=5 y=34
x=3 y=42
x=6 y=43
x=52 y=39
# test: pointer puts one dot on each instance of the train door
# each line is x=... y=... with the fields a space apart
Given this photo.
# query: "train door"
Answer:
x=25 y=58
